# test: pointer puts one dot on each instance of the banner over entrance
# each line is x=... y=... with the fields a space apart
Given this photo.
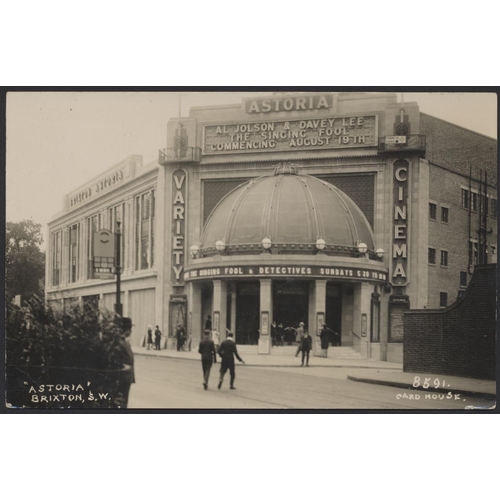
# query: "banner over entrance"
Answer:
x=288 y=271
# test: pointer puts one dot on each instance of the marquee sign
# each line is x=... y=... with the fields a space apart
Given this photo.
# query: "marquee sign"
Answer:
x=287 y=271
x=291 y=135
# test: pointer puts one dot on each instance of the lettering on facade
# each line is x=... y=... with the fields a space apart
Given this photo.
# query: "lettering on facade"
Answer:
x=288 y=103
x=321 y=133
x=97 y=188
x=287 y=271
x=178 y=226
x=400 y=235
x=109 y=181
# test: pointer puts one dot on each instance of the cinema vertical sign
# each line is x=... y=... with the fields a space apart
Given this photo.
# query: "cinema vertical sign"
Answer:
x=400 y=224
x=178 y=227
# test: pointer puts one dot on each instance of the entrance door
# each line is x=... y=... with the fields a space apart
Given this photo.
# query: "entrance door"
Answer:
x=334 y=311
x=291 y=305
x=247 y=313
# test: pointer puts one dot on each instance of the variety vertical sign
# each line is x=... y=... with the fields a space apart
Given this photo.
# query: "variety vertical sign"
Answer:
x=400 y=237
x=178 y=226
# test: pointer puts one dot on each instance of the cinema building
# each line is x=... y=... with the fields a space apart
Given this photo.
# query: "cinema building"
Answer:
x=346 y=209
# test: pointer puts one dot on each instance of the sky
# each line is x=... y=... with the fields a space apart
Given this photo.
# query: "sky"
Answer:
x=57 y=141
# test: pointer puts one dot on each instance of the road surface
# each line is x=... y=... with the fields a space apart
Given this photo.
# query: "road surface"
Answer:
x=168 y=383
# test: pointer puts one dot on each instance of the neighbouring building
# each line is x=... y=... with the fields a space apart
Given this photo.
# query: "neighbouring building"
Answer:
x=339 y=208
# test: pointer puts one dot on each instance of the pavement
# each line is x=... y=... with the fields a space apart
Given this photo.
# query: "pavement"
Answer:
x=359 y=369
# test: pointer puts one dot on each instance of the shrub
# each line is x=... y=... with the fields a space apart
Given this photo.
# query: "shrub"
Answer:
x=44 y=345
x=81 y=337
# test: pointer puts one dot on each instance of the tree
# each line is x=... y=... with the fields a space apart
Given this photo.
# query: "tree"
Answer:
x=24 y=260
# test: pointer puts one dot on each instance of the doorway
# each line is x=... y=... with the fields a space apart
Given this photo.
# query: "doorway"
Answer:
x=247 y=313
x=334 y=311
x=291 y=306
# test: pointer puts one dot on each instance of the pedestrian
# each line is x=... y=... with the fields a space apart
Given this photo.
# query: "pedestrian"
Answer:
x=215 y=338
x=299 y=333
x=274 y=334
x=279 y=334
x=127 y=375
x=150 y=337
x=208 y=323
x=187 y=341
x=227 y=351
x=179 y=334
x=335 y=338
x=326 y=334
x=157 y=338
x=289 y=334
x=208 y=355
x=305 y=346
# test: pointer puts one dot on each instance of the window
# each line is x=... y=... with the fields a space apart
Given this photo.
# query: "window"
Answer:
x=117 y=214
x=445 y=214
x=463 y=278
x=144 y=230
x=473 y=202
x=432 y=256
x=470 y=199
x=56 y=245
x=92 y=227
x=483 y=203
x=494 y=208
x=74 y=250
x=443 y=299
x=375 y=318
x=465 y=198
x=473 y=252
x=444 y=258
x=432 y=211
x=493 y=250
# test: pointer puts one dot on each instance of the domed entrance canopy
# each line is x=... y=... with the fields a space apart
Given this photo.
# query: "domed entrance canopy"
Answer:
x=288 y=213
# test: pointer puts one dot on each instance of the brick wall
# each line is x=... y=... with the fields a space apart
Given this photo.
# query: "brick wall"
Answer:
x=457 y=148
x=445 y=190
x=458 y=340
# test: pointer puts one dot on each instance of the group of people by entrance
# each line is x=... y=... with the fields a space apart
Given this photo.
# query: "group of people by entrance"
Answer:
x=157 y=338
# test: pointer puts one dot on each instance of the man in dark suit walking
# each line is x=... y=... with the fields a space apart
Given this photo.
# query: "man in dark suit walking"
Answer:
x=227 y=351
x=208 y=355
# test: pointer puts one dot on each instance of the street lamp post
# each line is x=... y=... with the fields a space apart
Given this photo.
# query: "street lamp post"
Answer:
x=118 y=305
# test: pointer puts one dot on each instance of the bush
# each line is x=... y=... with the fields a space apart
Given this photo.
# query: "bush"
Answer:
x=80 y=337
x=64 y=348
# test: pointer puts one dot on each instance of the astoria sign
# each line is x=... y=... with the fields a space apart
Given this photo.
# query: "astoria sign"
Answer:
x=288 y=103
